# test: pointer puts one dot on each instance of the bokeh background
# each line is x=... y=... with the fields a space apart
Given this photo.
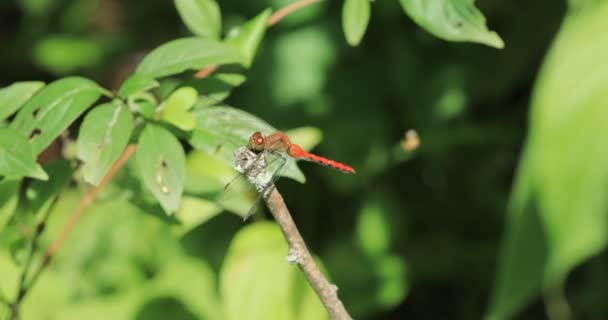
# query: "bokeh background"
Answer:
x=413 y=235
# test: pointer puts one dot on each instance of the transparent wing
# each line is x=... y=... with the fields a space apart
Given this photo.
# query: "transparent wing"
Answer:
x=239 y=195
x=221 y=129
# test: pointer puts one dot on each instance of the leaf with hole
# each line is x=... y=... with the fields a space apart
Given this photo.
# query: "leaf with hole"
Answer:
x=17 y=157
x=15 y=95
x=202 y=17
x=46 y=115
x=247 y=37
x=221 y=130
x=103 y=136
x=184 y=54
x=452 y=20
x=161 y=162
x=355 y=18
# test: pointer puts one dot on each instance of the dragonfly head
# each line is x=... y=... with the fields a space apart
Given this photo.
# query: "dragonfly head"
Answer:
x=256 y=142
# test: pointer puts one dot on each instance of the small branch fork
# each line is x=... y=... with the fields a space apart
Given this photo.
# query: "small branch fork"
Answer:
x=299 y=254
x=274 y=19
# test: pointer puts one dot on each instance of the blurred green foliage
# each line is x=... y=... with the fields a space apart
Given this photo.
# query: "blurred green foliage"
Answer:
x=414 y=234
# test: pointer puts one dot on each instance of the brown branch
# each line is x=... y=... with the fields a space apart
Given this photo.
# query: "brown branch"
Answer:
x=274 y=19
x=298 y=253
x=88 y=199
x=291 y=8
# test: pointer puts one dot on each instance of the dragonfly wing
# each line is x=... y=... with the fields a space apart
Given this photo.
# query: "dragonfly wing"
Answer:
x=238 y=196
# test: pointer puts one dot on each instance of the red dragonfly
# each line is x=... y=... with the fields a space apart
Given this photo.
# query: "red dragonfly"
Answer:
x=261 y=162
x=279 y=142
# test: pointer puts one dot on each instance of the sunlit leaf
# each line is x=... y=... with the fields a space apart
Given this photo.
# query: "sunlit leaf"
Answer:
x=453 y=20
x=135 y=84
x=103 y=136
x=184 y=54
x=48 y=113
x=202 y=17
x=256 y=282
x=161 y=162
x=355 y=17
x=214 y=88
x=247 y=38
x=15 y=95
x=176 y=109
x=17 y=158
x=559 y=208
x=221 y=130
x=305 y=137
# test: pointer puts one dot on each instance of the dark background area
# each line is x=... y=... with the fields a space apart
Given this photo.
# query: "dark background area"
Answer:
x=441 y=209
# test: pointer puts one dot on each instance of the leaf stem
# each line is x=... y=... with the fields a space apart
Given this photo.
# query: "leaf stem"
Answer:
x=291 y=8
x=274 y=19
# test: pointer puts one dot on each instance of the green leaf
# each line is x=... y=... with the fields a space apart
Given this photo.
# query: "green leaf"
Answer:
x=103 y=135
x=161 y=162
x=136 y=83
x=214 y=88
x=221 y=130
x=202 y=17
x=15 y=95
x=46 y=115
x=305 y=137
x=355 y=18
x=56 y=53
x=452 y=20
x=176 y=109
x=247 y=37
x=256 y=282
x=559 y=208
x=17 y=158
x=184 y=54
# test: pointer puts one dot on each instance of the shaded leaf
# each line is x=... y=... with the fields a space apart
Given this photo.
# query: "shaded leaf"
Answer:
x=17 y=158
x=176 y=109
x=202 y=17
x=221 y=130
x=103 y=136
x=355 y=18
x=15 y=95
x=453 y=20
x=56 y=53
x=558 y=209
x=135 y=84
x=40 y=194
x=161 y=162
x=184 y=54
x=9 y=196
x=247 y=37
x=46 y=115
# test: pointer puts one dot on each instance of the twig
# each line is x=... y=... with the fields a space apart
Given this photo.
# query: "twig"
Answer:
x=82 y=205
x=298 y=253
x=89 y=198
x=22 y=287
x=253 y=166
x=283 y=12
x=274 y=19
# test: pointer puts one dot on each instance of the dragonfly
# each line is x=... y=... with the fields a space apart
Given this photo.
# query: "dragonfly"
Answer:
x=262 y=160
